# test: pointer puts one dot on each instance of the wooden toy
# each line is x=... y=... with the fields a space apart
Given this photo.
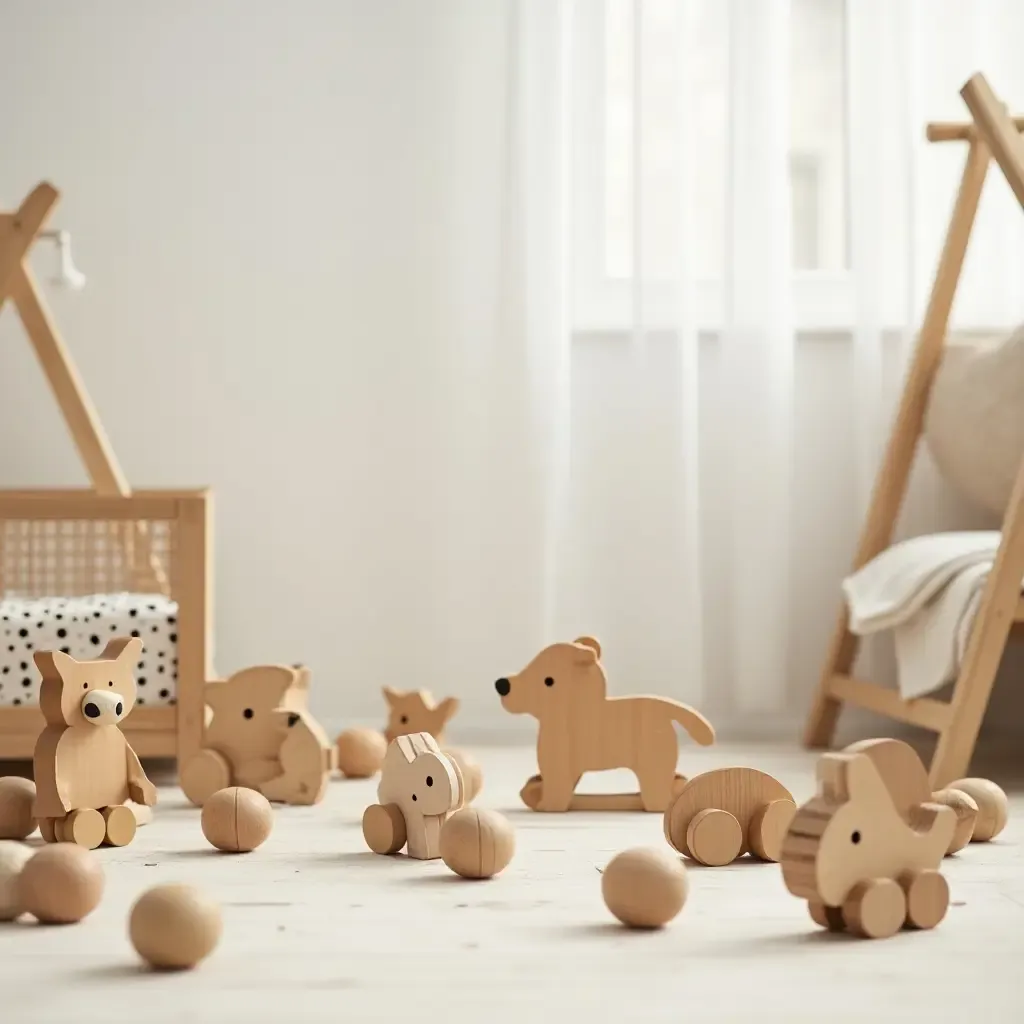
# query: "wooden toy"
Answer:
x=85 y=770
x=472 y=775
x=237 y=820
x=13 y=857
x=723 y=814
x=966 y=811
x=174 y=926
x=645 y=887
x=993 y=807
x=360 y=752
x=17 y=795
x=61 y=884
x=419 y=788
x=251 y=715
x=477 y=844
x=412 y=711
x=581 y=729
x=863 y=852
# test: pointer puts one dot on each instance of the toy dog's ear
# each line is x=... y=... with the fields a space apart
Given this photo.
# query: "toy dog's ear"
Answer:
x=54 y=664
x=589 y=641
x=125 y=649
x=390 y=695
x=448 y=707
x=585 y=654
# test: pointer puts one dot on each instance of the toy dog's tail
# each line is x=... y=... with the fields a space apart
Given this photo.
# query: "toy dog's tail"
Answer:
x=699 y=728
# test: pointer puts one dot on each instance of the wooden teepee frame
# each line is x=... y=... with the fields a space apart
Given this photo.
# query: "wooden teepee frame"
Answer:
x=992 y=133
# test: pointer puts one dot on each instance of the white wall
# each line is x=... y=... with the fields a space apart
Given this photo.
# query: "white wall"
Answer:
x=258 y=196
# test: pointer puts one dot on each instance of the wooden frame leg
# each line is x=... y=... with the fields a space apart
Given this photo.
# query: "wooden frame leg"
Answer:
x=894 y=473
x=18 y=231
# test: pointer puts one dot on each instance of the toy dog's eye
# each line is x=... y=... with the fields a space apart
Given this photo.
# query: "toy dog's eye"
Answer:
x=111 y=683
x=247 y=712
x=430 y=780
x=549 y=681
x=855 y=838
x=404 y=719
x=85 y=686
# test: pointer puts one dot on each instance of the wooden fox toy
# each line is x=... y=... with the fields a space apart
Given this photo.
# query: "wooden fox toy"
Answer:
x=85 y=770
x=417 y=711
x=865 y=852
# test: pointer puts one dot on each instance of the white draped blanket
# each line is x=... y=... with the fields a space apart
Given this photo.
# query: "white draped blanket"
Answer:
x=927 y=591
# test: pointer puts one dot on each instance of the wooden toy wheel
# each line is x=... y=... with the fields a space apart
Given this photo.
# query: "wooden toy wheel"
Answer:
x=830 y=918
x=714 y=837
x=203 y=775
x=84 y=827
x=384 y=828
x=875 y=909
x=48 y=829
x=120 y=825
x=768 y=828
x=927 y=898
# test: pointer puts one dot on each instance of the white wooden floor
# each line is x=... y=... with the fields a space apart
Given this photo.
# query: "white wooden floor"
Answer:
x=319 y=929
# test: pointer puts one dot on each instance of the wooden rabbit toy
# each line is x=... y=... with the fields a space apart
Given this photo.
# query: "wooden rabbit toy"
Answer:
x=865 y=852
x=85 y=770
x=419 y=788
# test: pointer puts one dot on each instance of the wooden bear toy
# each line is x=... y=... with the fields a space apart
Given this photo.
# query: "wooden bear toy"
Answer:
x=865 y=852
x=261 y=735
x=85 y=770
x=582 y=729
x=416 y=711
x=419 y=789
x=723 y=814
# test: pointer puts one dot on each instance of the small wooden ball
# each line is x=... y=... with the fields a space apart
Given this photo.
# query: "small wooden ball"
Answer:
x=472 y=776
x=476 y=843
x=61 y=884
x=993 y=809
x=174 y=927
x=237 y=820
x=13 y=857
x=361 y=752
x=644 y=887
x=966 y=816
x=16 y=798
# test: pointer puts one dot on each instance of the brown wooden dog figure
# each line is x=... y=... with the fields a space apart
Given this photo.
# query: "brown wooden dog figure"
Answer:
x=861 y=854
x=245 y=729
x=416 y=711
x=85 y=770
x=582 y=729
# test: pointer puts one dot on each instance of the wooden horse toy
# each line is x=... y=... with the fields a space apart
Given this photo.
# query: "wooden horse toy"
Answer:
x=416 y=711
x=581 y=729
x=85 y=770
x=420 y=787
x=865 y=852
x=261 y=735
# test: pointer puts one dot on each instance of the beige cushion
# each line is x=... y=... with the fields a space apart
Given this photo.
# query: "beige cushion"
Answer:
x=974 y=426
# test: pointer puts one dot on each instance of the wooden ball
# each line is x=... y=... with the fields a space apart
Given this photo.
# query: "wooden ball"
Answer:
x=644 y=887
x=966 y=816
x=174 y=927
x=13 y=857
x=61 y=884
x=992 y=807
x=16 y=798
x=476 y=843
x=361 y=752
x=472 y=776
x=237 y=820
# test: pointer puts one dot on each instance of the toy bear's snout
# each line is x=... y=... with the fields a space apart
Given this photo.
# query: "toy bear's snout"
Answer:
x=101 y=707
x=503 y=686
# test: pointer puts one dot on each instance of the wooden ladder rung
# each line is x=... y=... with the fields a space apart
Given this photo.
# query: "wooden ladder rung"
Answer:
x=921 y=711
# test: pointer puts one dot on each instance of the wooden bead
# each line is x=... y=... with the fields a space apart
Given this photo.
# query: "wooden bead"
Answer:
x=384 y=828
x=361 y=752
x=992 y=807
x=644 y=887
x=477 y=843
x=16 y=798
x=472 y=776
x=966 y=816
x=714 y=837
x=13 y=857
x=174 y=927
x=237 y=820
x=61 y=884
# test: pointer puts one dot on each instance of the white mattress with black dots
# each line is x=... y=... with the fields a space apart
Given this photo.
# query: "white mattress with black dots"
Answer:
x=81 y=627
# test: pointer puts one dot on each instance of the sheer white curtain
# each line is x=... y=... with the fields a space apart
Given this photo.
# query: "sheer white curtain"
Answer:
x=738 y=199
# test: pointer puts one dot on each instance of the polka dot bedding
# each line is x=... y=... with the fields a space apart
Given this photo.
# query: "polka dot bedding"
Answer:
x=81 y=627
